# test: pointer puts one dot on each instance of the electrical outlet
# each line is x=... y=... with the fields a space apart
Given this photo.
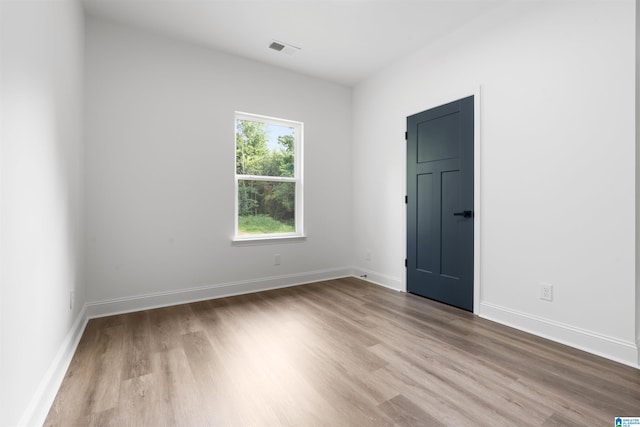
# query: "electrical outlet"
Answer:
x=546 y=292
x=276 y=259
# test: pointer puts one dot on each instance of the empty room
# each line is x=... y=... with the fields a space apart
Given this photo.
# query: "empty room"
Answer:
x=319 y=213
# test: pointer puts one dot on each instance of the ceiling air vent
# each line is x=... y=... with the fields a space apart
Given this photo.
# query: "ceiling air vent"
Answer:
x=276 y=46
x=283 y=47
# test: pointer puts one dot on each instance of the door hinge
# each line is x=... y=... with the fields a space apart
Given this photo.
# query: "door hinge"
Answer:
x=406 y=136
x=405 y=262
x=406 y=199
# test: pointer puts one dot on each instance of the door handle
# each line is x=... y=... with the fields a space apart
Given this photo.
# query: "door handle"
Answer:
x=464 y=214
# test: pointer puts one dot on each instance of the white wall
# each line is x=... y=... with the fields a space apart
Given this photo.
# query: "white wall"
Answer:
x=160 y=165
x=557 y=156
x=557 y=178
x=41 y=83
x=637 y=177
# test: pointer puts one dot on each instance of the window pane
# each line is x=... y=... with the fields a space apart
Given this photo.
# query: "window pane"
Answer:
x=266 y=207
x=264 y=149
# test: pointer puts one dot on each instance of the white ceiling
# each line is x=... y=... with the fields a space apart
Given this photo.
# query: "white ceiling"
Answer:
x=342 y=41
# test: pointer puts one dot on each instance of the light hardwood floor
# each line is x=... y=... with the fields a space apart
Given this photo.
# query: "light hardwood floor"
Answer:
x=336 y=353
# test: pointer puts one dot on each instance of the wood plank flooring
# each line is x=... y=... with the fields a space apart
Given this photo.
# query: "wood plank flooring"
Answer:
x=335 y=353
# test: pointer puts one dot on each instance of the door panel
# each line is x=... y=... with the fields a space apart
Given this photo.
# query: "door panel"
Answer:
x=425 y=259
x=450 y=241
x=439 y=138
x=439 y=190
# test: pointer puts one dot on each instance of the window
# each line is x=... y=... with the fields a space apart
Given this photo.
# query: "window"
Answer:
x=268 y=177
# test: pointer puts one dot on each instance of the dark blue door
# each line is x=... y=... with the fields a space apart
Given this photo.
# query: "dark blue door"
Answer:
x=440 y=203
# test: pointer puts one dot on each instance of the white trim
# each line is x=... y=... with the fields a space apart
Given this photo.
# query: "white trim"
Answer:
x=621 y=351
x=242 y=115
x=220 y=290
x=267 y=239
x=42 y=400
x=477 y=207
x=40 y=404
x=266 y=178
x=379 y=279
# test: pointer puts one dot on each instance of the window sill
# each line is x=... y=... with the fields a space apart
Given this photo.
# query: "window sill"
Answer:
x=257 y=241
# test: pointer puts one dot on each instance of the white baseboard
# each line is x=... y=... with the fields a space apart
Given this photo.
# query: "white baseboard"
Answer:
x=624 y=352
x=38 y=408
x=378 y=278
x=41 y=402
x=182 y=296
x=35 y=414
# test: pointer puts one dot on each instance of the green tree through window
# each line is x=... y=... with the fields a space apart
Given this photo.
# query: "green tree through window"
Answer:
x=266 y=175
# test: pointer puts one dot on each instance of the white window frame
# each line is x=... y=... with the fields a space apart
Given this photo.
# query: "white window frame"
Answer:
x=298 y=132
